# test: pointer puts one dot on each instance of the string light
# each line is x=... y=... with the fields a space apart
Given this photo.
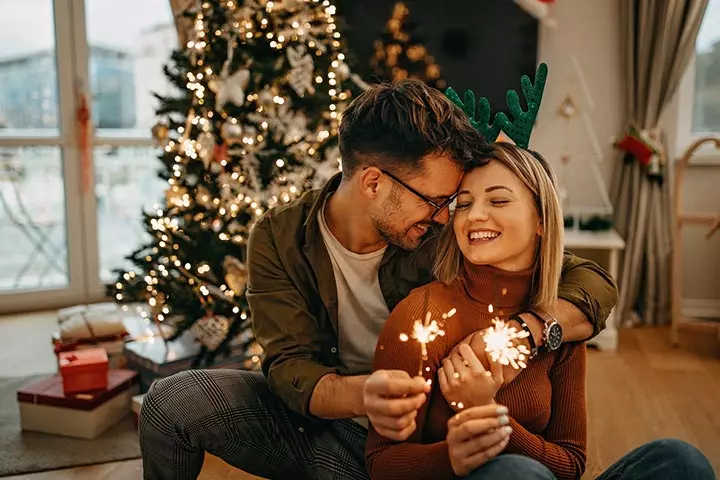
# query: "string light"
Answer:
x=242 y=195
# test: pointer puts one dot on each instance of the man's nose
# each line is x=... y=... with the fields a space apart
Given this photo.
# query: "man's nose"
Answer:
x=442 y=217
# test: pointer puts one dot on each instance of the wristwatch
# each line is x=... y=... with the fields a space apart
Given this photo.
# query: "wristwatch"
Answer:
x=552 y=336
x=531 y=340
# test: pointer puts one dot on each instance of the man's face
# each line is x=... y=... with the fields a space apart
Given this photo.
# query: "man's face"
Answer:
x=405 y=208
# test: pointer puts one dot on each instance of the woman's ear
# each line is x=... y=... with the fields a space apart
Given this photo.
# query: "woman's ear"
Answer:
x=540 y=230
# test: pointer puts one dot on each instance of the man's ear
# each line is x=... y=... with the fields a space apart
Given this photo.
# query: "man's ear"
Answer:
x=369 y=181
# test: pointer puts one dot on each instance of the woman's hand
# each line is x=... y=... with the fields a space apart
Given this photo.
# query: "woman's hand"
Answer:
x=465 y=382
x=477 y=435
x=476 y=342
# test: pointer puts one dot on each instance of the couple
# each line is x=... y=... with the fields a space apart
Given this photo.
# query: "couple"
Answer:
x=327 y=270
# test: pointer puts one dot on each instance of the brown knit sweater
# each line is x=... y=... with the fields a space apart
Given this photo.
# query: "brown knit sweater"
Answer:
x=546 y=400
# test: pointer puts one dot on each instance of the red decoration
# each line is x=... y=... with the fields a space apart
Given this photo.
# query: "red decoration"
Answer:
x=637 y=147
x=220 y=152
x=82 y=117
x=84 y=370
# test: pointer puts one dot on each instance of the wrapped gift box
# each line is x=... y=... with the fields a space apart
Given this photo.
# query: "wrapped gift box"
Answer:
x=45 y=408
x=99 y=320
x=133 y=327
x=84 y=371
x=137 y=402
x=154 y=359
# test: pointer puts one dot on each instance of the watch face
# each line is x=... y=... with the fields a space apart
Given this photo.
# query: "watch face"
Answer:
x=554 y=336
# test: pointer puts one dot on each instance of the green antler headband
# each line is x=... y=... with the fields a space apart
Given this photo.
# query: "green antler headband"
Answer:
x=520 y=129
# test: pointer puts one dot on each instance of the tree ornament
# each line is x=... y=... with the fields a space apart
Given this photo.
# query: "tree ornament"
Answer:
x=567 y=108
x=211 y=330
x=220 y=152
x=205 y=146
x=227 y=87
x=161 y=134
x=231 y=131
x=230 y=88
x=236 y=274
x=191 y=179
x=301 y=74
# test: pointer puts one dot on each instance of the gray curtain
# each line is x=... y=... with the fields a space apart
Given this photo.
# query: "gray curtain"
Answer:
x=658 y=40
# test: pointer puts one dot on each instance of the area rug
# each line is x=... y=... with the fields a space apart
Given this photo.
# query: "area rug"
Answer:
x=27 y=452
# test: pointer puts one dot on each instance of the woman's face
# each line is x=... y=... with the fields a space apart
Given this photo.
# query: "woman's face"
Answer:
x=496 y=221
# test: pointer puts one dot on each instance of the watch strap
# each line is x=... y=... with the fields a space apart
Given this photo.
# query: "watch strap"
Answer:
x=531 y=340
x=542 y=321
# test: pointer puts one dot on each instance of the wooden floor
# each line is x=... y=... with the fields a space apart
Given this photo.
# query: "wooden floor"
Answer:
x=647 y=390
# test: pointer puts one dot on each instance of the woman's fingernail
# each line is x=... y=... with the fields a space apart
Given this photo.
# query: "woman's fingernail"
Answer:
x=502 y=410
x=507 y=430
x=504 y=420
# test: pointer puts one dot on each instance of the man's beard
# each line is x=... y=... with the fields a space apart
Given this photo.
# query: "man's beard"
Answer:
x=389 y=233
x=385 y=224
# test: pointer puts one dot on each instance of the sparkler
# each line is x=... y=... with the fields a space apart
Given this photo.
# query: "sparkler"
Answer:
x=500 y=345
x=425 y=332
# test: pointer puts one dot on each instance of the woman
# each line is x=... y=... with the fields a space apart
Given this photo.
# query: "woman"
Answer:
x=501 y=254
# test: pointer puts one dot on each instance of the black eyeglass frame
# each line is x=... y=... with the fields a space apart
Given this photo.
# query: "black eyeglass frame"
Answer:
x=439 y=207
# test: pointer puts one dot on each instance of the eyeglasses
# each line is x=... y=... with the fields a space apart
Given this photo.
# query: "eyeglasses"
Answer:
x=439 y=207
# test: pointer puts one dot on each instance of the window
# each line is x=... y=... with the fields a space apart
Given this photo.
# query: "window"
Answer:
x=61 y=234
x=706 y=102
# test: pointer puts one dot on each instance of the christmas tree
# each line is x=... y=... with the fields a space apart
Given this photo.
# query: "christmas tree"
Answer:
x=263 y=84
x=400 y=53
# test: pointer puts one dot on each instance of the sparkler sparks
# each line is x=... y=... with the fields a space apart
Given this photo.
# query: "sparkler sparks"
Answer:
x=500 y=345
x=425 y=331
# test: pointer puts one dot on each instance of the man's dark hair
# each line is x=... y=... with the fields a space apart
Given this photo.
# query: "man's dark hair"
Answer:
x=394 y=125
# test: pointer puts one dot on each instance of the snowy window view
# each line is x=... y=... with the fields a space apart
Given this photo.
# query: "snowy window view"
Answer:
x=126 y=53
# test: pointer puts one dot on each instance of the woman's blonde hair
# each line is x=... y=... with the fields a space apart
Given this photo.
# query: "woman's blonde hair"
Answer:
x=535 y=173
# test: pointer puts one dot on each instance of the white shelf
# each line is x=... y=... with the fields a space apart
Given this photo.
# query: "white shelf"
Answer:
x=602 y=240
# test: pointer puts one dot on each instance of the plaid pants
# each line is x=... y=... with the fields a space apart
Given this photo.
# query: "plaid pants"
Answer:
x=233 y=415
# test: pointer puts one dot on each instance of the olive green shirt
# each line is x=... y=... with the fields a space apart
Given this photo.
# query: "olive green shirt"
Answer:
x=293 y=299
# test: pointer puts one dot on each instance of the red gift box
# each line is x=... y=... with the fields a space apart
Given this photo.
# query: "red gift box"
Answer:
x=44 y=407
x=84 y=370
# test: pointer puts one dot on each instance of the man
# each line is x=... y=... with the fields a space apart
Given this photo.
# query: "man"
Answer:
x=325 y=271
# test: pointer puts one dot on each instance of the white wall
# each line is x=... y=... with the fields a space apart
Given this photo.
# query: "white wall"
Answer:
x=590 y=30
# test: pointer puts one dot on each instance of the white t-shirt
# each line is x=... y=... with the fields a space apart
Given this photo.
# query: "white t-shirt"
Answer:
x=362 y=311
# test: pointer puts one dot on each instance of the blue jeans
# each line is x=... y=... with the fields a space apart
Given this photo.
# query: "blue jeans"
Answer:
x=667 y=459
x=511 y=467
x=664 y=459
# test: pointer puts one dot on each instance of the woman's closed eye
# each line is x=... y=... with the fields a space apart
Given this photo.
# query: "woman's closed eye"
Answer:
x=498 y=202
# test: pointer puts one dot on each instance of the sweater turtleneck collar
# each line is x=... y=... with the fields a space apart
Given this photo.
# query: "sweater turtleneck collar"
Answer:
x=501 y=288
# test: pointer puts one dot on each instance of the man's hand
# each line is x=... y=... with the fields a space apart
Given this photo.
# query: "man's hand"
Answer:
x=392 y=399
x=475 y=436
x=465 y=382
